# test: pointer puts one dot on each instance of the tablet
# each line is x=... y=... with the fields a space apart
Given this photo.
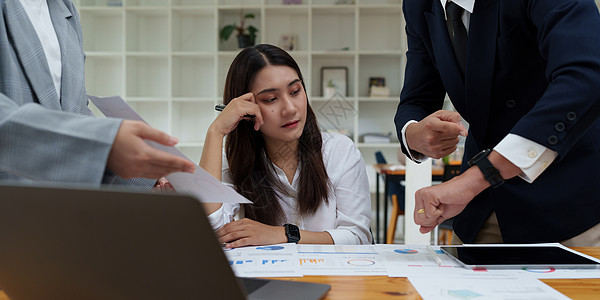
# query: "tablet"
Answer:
x=517 y=257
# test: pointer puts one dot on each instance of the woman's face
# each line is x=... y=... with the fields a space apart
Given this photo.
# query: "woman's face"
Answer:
x=282 y=100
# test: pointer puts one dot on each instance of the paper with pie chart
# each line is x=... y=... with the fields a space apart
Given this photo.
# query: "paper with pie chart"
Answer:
x=279 y=260
x=415 y=260
x=358 y=260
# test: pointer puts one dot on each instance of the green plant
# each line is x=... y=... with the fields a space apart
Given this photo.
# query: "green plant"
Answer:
x=227 y=30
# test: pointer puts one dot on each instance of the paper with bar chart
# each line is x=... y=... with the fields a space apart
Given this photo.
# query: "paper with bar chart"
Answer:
x=360 y=260
x=265 y=261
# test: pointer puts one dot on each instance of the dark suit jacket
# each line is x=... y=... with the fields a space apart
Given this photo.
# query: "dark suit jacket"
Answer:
x=533 y=69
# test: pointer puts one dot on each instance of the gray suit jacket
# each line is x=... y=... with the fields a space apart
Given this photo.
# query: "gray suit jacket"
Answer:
x=45 y=136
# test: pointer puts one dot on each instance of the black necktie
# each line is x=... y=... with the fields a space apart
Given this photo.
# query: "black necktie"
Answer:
x=458 y=33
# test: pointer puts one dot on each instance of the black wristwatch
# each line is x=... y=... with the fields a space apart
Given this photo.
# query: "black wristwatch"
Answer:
x=292 y=232
x=490 y=173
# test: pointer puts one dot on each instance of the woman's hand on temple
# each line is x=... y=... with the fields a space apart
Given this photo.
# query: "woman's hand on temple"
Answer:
x=240 y=108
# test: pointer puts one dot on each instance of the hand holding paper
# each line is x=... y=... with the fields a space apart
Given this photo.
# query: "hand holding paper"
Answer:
x=199 y=183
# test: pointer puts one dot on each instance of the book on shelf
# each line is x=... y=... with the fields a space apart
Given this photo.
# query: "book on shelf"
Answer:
x=377 y=138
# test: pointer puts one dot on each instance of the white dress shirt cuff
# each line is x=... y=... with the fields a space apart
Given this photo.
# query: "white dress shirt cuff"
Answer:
x=412 y=155
x=217 y=218
x=342 y=237
x=531 y=157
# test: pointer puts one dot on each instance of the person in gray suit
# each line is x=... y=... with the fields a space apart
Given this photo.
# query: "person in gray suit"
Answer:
x=47 y=132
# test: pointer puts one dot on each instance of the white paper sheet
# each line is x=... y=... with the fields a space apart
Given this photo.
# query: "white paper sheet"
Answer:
x=473 y=287
x=361 y=260
x=265 y=261
x=415 y=260
x=199 y=184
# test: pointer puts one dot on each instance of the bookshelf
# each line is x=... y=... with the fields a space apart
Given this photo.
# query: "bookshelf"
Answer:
x=164 y=57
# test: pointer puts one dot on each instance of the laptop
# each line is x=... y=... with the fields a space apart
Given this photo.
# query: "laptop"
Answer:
x=78 y=243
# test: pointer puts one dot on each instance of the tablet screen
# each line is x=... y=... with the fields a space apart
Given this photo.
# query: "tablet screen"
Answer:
x=518 y=256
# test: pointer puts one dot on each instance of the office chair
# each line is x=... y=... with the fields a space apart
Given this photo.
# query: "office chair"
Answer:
x=396 y=195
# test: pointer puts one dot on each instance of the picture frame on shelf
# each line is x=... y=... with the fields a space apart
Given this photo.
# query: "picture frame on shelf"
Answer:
x=334 y=79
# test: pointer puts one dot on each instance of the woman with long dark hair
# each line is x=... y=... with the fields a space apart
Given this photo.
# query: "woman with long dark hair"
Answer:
x=306 y=186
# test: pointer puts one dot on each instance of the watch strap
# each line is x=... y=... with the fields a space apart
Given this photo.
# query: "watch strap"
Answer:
x=292 y=232
x=490 y=173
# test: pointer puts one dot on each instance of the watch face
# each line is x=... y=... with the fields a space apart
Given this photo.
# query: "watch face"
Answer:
x=478 y=156
x=292 y=232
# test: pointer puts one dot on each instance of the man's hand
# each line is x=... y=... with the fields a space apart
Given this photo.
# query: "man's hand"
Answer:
x=131 y=157
x=440 y=202
x=437 y=135
x=246 y=232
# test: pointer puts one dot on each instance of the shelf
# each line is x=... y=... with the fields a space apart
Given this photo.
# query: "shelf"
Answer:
x=185 y=116
x=104 y=75
x=148 y=54
x=286 y=7
x=147 y=99
x=187 y=77
x=389 y=67
x=146 y=77
x=369 y=3
x=193 y=3
x=202 y=54
x=383 y=9
x=107 y=54
x=147 y=30
x=395 y=99
x=237 y=7
x=185 y=33
x=370 y=117
x=194 y=99
x=146 y=3
x=231 y=16
x=106 y=26
x=100 y=3
x=381 y=52
x=287 y=28
x=387 y=22
x=333 y=53
x=340 y=33
x=388 y=145
x=153 y=113
x=333 y=9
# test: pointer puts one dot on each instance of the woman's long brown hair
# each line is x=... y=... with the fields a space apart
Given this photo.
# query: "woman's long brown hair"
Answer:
x=251 y=169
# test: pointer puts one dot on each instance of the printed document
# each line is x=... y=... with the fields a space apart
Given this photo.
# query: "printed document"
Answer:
x=199 y=184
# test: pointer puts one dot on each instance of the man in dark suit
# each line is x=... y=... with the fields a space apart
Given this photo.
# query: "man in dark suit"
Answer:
x=525 y=75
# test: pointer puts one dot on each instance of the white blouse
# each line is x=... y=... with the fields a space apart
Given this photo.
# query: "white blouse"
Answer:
x=346 y=216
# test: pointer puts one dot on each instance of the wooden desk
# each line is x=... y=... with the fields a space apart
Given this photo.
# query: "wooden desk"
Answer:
x=382 y=287
x=382 y=170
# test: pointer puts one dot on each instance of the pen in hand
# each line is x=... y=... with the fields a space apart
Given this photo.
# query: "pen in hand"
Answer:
x=221 y=107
